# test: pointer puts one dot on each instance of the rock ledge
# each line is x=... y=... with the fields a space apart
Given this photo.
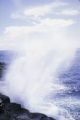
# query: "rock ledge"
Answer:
x=14 y=111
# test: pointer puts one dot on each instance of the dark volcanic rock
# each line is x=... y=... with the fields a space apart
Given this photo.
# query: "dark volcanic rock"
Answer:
x=4 y=99
x=14 y=111
x=40 y=116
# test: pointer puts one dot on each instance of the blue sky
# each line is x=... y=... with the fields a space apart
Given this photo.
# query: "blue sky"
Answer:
x=28 y=16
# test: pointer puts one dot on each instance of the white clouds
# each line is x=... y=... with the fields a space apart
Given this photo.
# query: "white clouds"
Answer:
x=41 y=11
x=70 y=12
x=16 y=37
x=37 y=12
x=49 y=31
x=32 y=12
x=57 y=23
x=45 y=25
x=43 y=17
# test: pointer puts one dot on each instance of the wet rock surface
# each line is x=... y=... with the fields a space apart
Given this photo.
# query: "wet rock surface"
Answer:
x=14 y=111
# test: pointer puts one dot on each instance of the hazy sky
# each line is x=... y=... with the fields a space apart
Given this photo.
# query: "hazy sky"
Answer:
x=20 y=19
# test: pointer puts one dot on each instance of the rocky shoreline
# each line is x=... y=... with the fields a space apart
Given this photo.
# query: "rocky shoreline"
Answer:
x=14 y=111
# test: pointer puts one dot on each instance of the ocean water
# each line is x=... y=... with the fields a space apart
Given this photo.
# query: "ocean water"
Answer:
x=69 y=99
x=63 y=99
x=75 y=85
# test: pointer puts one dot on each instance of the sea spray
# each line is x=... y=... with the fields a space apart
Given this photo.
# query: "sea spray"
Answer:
x=32 y=78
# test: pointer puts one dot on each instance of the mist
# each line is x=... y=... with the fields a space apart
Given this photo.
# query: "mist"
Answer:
x=32 y=77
